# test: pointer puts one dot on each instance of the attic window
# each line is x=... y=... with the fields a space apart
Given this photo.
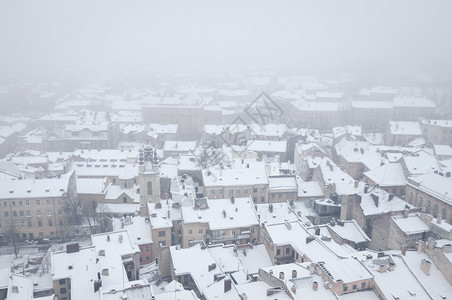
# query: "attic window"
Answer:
x=47 y=191
x=11 y=191
x=61 y=190
x=28 y=191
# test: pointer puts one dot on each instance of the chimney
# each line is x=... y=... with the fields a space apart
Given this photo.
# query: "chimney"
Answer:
x=227 y=284
x=309 y=239
x=224 y=213
x=293 y=289
x=317 y=230
x=281 y=275
x=438 y=219
x=232 y=200
x=356 y=184
x=169 y=214
x=120 y=238
x=72 y=248
x=270 y=207
x=294 y=273
x=108 y=238
x=315 y=286
x=391 y=266
x=425 y=266
x=366 y=188
x=212 y=266
x=390 y=197
x=404 y=246
x=405 y=212
x=382 y=268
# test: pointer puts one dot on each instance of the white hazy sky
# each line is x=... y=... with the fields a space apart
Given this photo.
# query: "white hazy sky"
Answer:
x=222 y=35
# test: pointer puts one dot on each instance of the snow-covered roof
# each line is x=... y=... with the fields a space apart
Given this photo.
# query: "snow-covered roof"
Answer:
x=118 y=208
x=282 y=183
x=139 y=228
x=255 y=175
x=412 y=224
x=433 y=184
x=20 y=287
x=179 y=146
x=348 y=270
x=372 y=104
x=275 y=212
x=91 y=185
x=267 y=146
x=391 y=174
x=379 y=201
x=405 y=128
x=307 y=189
x=420 y=162
x=113 y=192
x=443 y=150
x=241 y=213
x=304 y=105
x=350 y=230
x=411 y=101
x=440 y=123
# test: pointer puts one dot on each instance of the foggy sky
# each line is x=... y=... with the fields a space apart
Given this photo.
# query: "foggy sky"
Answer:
x=385 y=36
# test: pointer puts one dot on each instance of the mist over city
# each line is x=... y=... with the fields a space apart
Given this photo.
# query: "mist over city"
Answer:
x=245 y=150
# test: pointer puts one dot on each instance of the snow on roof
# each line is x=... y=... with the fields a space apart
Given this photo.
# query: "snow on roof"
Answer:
x=433 y=184
x=391 y=174
x=412 y=101
x=295 y=234
x=268 y=130
x=412 y=224
x=348 y=270
x=103 y=155
x=383 y=90
x=89 y=126
x=405 y=128
x=139 y=229
x=161 y=222
x=435 y=283
x=181 y=295
x=35 y=188
x=113 y=192
x=6 y=131
x=304 y=105
x=241 y=213
x=400 y=283
x=351 y=231
x=81 y=267
x=103 y=169
x=281 y=212
x=420 y=162
x=307 y=189
x=20 y=287
x=440 y=123
x=216 y=291
x=359 y=152
x=234 y=93
x=196 y=266
x=179 y=146
x=289 y=94
x=282 y=183
x=90 y=185
x=352 y=130
x=267 y=146
x=443 y=150
x=119 y=243
x=372 y=104
x=255 y=175
x=332 y=173
x=136 y=290
x=170 y=205
x=383 y=204
x=258 y=290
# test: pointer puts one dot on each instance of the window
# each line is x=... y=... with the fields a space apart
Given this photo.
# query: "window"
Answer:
x=443 y=214
x=16 y=225
x=220 y=192
x=49 y=212
x=21 y=213
x=200 y=231
x=29 y=223
x=363 y=285
x=50 y=223
x=435 y=210
x=6 y=214
x=13 y=203
x=40 y=223
x=14 y=213
x=5 y=203
x=254 y=199
x=262 y=199
x=63 y=291
x=28 y=213
x=232 y=232
x=238 y=191
x=7 y=225
x=48 y=201
x=354 y=287
x=255 y=190
x=38 y=202
x=62 y=281
x=190 y=231
x=231 y=192
x=27 y=202
x=60 y=212
x=147 y=258
x=38 y=213
x=278 y=252
x=149 y=188
x=345 y=288
x=263 y=190
x=20 y=202
x=124 y=200
x=61 y=222
x=22 y=224
x=59 y=201
x=146 y=249
x=287 y=250
x=162 y=233
x=212 y=192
